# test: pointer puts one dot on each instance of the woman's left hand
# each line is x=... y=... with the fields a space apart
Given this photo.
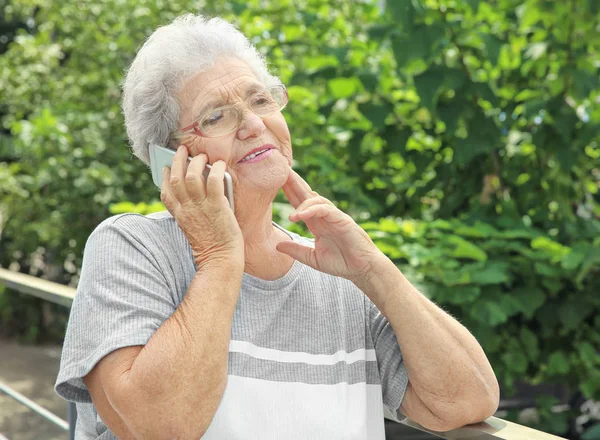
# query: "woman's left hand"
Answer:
x=342 y=248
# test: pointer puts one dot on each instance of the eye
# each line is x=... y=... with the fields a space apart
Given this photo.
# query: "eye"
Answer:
x=263 y=104
x=213 y=119
x=261 y=100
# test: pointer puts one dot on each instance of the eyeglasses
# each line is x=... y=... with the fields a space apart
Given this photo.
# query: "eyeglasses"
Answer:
x=227 y=119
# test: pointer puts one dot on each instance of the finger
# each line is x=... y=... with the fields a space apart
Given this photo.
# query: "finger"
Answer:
x=166 y=194
x=325 y=211
x=194 y=179
x=313 y=201
x=214 y=184
x=178 y=171
x=296 y=189
x=303 y=254
x=289 y=193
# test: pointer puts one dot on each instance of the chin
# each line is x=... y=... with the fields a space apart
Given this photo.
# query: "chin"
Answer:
x=265 y=177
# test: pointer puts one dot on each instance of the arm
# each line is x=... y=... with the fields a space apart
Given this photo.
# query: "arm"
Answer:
x=451 y=382
x=172 y=387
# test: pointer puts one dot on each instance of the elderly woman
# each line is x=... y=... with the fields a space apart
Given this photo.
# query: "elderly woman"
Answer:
x=202 y=322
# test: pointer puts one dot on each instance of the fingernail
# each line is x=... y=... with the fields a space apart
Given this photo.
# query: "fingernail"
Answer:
x=180 y=148
x=164 y=170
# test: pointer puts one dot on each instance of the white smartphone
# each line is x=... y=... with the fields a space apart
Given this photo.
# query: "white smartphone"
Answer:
x=161 y=157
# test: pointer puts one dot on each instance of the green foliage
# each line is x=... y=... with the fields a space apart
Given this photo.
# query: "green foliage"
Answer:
x=519 y=293
x=463 y=135
x=536 y=324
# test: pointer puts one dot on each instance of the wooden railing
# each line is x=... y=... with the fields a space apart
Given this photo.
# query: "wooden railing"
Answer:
x=491 y=428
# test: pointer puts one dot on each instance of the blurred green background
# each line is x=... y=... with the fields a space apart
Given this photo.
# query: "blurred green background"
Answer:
x=463 y=135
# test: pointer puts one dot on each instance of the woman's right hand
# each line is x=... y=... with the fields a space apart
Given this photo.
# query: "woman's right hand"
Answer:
x=202 y=210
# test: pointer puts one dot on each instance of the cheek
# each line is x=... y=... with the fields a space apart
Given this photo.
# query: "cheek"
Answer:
x=279 y=127
x=215 y=148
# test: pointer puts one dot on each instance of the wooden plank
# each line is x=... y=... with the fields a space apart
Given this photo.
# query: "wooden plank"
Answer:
x=44 y=289
x=491 y=428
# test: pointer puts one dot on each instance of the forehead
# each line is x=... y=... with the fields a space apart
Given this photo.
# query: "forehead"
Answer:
x=226 y=79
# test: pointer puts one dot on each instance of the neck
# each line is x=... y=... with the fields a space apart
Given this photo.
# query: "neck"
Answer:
x=262 y=259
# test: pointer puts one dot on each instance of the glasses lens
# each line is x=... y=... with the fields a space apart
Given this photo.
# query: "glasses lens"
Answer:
x=219 y=122
x=269 y=101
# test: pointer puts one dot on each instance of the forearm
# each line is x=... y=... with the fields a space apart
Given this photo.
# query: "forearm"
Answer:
x=181 y=373
x=446 y=365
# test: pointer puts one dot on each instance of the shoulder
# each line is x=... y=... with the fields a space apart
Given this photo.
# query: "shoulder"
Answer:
x=136 y=225
x=154 y=233
x=134 y=221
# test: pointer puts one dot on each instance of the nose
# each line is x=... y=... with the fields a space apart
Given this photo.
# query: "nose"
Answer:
x=251 y=126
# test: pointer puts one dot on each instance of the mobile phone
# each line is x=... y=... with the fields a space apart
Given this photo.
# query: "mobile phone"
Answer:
x=161 y=157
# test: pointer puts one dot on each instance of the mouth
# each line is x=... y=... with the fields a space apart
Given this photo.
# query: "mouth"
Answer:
x=257 y=152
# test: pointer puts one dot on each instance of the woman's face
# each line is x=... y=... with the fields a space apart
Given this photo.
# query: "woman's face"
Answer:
x=230 y=81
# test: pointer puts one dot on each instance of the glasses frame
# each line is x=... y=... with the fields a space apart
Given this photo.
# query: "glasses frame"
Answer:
x=194 y=127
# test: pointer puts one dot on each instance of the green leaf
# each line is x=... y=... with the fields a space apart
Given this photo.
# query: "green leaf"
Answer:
x=396 y=138
x=369 y=80
x=464 y=249
x=440 y=224
x=428 y=86
x=342 y=87
x=574 y=311
x=328 y=72
x=558 y=363
x=379 y=32
x=354 y=146
x=530 y=299
x=493 y=46
x=479 y=230
x=489 y=313
x=536 y=50
x=376 y=112
x=488 y=338
x=592 y=261
x=590 y=386
x=474 y=4
x=530 y=342
x=528 y=14
x=517 y=233
x=485 y=92
x=515 y=361
x=496 y=272
x=389 y=225
x=546 y=269
x=454 y=79
x=549 y=247
x=572 y=260
x=403 y=12
x=482 y=132
x=408 y=48
x=589 y=355
x=453 y=278
x=450 y=113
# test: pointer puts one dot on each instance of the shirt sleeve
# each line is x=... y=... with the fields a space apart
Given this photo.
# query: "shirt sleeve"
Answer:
x=122 y=299
x=392 y=371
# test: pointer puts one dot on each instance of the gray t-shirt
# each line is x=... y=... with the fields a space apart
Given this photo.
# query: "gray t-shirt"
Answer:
x=310 y=357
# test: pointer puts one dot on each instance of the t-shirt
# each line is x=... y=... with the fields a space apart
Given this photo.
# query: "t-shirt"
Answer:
x=310 y=356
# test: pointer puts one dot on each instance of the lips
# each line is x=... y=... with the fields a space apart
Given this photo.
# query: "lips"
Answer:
x=255 y=152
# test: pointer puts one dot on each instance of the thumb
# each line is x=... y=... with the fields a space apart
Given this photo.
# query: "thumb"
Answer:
x=303 y=254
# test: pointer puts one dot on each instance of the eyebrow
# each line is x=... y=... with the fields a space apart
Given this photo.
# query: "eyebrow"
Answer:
x=215 y=103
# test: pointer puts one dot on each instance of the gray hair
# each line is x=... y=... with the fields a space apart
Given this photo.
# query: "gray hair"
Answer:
x=170 y=56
